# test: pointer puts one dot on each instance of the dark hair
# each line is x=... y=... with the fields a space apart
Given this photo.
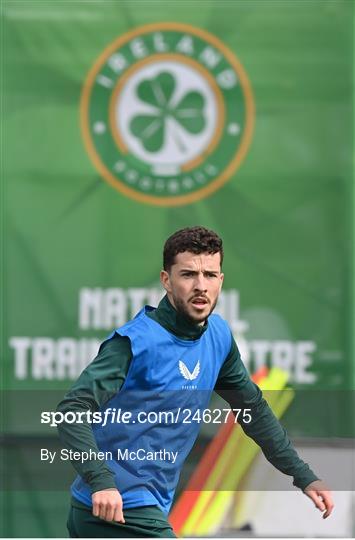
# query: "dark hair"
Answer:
x=194 y=239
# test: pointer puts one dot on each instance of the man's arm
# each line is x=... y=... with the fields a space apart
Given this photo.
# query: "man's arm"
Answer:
x=235 y=386
x=99 y=381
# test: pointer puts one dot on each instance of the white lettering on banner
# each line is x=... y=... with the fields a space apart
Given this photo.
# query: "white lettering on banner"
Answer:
x=293 y=357
x=137 y=297
x=50 y=359
x=210 y=57
x=42 y=364
x=159 y=44
x=282 y=354
x=117 y=62
x=105 y=309
x=115 y=304
x=104 y=81
x=21 y=346
x=227 y=79
x=138 y=48
x=185 y=45
x=66 y=353
x=90 y=308
x=304 y=349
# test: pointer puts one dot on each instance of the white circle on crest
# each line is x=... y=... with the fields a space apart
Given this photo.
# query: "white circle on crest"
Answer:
x=179 y=145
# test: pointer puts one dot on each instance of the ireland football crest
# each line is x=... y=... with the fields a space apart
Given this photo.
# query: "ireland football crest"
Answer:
x=167 y=114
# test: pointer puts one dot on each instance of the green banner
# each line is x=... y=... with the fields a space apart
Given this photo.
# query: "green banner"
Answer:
x=124 y=121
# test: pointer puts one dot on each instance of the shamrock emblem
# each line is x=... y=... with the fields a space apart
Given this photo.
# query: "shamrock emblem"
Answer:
x=151 y=127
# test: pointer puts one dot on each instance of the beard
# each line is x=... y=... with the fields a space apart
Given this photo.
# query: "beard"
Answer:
x=182 y=308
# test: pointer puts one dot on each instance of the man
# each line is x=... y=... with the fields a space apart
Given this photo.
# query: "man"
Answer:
x=165 y=359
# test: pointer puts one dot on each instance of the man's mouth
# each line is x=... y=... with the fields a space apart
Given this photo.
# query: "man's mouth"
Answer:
x=199 y=301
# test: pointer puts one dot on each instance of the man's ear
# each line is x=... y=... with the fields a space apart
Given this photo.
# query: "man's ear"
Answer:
x=220 y=285
x=165 y=280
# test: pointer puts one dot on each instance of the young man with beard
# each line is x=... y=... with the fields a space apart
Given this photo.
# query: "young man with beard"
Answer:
x=179 y=348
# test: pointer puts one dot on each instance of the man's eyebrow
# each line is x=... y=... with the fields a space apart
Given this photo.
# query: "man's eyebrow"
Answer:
x=193 y=271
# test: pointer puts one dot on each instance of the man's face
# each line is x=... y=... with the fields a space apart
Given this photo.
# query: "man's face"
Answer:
x=193 y=284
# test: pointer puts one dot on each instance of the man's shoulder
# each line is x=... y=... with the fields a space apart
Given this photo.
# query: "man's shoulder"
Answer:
x=215 y=320
x=220 y=330
x=140 y=319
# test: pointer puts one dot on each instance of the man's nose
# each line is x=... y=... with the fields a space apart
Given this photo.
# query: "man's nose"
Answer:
x=200 y=282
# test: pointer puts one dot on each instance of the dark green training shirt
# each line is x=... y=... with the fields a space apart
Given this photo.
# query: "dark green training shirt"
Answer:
x=104 y=377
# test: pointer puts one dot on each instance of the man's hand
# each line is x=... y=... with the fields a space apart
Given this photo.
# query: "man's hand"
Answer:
x=107 y=504
x=321 y=496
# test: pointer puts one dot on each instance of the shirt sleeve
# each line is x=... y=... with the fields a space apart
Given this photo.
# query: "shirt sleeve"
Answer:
x=235 y=386
x=98 y=383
